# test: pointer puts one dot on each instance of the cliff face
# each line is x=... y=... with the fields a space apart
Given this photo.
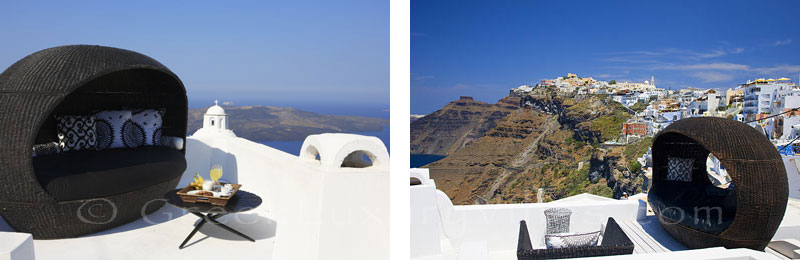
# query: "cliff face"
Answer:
x=611 y=166
x=550 y=142
x=455 y=125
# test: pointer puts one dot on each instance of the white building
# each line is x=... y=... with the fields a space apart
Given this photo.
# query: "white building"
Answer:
x=626 y=100
x=636 y=86
x=760 y=94
x=713 y=102
x=656 y=93
x=791 y=121
x=643 y=97
x=665 y=118
x=522 y=90
x=706 y=104
x=215 y=122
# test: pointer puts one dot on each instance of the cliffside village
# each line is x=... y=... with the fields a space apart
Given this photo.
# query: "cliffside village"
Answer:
x=655 y=108
x=756 y=102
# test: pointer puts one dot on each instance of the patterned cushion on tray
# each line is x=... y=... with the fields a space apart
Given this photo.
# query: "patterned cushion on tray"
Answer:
x=76 y=133
x=680 y=169
x=564 y=240
x=115 y=129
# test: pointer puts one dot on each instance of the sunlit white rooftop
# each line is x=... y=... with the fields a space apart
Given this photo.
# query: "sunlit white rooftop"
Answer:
x=309 y=210
x=441 y=230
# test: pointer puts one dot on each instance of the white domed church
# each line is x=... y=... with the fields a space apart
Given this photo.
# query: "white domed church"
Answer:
x=215 y=122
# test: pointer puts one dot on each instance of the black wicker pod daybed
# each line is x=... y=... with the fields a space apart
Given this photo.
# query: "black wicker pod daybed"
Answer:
x=698 y=214
x=81 y=192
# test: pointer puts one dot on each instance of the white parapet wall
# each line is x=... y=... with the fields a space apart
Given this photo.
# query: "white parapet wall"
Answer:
x=792 y=164
x=426 y=224
x=498 y=225
x=322 y=212
x=16 y=246
x=332 y=151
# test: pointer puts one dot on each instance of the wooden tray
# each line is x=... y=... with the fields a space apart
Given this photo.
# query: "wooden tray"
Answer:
x=217 y=201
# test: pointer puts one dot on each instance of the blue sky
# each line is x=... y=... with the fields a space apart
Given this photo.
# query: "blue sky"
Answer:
x=316 y=55
x=483 y=48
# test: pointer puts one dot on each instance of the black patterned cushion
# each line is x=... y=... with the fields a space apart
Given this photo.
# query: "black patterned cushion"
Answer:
x=565 y=240
x=46 y=148
x=149 y=120
x=76 y=133
x=679 y=169
x=115 y=129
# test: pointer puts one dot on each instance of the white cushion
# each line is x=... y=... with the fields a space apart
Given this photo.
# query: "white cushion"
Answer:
x=563 y=240
x=150 y=121
x=115 y=129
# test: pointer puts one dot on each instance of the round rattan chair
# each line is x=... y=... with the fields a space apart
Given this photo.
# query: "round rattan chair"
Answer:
x=79 y=79
x=700 y=215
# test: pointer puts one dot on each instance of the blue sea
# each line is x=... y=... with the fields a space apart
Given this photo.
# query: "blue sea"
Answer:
x=293 y=147
x=418 y=160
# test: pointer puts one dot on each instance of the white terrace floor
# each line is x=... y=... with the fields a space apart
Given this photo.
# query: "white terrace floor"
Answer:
x=308 y=212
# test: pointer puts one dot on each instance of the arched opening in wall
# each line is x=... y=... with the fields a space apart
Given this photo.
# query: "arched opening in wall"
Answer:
x=358 y=159
x=312 y=153
x=415 y=181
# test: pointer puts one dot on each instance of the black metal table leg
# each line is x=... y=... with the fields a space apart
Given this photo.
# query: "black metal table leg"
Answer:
x=196 y=228
x=213 y=219
x=205 y=218
x=215 y=222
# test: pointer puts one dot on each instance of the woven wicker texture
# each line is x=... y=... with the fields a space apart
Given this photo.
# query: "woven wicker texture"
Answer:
x=75 y=79
x=754 y=165
x=615 y=242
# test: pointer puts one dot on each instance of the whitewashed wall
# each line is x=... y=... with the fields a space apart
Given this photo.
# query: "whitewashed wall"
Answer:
x=320 y=213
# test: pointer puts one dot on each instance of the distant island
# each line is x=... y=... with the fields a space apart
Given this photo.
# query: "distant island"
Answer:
x=269 y=123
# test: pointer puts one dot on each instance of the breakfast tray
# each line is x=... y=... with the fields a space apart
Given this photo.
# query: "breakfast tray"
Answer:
x=217 y=201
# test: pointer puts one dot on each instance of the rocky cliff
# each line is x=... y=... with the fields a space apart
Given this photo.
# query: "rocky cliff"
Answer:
x=455 y=125
x=543 y=141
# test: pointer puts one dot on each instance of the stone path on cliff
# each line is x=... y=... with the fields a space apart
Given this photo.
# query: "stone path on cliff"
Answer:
x=521 y=159
x=525 y=155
